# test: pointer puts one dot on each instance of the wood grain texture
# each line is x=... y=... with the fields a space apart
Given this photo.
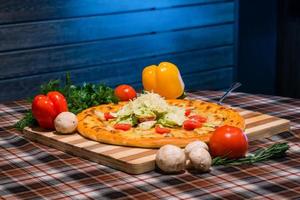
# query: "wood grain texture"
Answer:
x=67 y=31
x=110 y=41
x=216 y=79
x=21 y=63
x=141 y=160
x=13 y=11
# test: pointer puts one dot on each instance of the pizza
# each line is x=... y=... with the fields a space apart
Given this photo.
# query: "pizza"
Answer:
x=150 y=121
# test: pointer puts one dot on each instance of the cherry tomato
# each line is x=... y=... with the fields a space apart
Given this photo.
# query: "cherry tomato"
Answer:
x=198 y=118
x=162 y=130
x=124 y=127
x=228 y=141
x=187 y=112
x=125 y=92
x=46 y=108
x=191 y=124
x=108 y=116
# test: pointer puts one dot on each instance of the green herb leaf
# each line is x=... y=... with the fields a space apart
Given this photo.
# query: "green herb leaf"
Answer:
x=52 y=85
x=27 y=120
x=275 y=151
x=78 y=97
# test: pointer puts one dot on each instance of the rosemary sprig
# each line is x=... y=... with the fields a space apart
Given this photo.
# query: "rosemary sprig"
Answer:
x=275 y=151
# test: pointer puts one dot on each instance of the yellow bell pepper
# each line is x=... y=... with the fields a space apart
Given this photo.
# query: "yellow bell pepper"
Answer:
x=164 y=79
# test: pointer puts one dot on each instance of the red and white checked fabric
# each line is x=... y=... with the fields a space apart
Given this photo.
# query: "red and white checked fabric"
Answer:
x=29 y=170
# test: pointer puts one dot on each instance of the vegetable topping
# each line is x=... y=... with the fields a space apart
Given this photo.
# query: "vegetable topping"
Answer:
x=191 y=124
x=147 y=125
x=124 y=127
x=198 y=118
x=162 y=130
x=149 y=109
x=108 y=116
x=187 y=112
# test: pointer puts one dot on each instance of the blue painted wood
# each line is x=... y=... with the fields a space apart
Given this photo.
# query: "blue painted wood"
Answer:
x=125 y=72
x=68 y=31
x=219 y=79
x=209 y=80
x=110 y=41
x=69 y=57
x=12 y=11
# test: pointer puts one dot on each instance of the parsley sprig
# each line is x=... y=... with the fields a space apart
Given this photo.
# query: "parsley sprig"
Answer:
x=78 y=97
x=275 y=151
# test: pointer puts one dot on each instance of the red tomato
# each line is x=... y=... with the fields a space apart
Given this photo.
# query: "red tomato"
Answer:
x=187 y=112
x=124 y=127
x=108 y=116
x=228 y=141
x=191 y=124
x=125 y=92
x=59 y=101
x=46 y=108
x=162 y=130
x=198 y=118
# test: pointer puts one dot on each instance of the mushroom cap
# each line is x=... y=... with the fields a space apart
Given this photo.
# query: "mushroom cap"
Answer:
x=200 y=159
x=195 y=144
x=170 y=158
x=65 y=122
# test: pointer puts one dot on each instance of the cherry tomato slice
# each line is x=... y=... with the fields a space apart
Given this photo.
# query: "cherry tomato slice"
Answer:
x=108 y=116
x=124 y=127
x=162 y=130
x=191 y=124
x=198 y=118
x=187 y=112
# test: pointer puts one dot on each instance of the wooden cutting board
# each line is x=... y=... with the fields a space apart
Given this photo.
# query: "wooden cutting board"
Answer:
x=139 y=160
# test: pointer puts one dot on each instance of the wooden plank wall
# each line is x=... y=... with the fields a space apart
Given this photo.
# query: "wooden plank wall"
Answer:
x=110 y=41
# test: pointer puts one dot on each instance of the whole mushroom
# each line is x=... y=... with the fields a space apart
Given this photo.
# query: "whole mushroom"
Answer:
x=65 y=123
x=170 y=159
x=195 y=144
x=200 y=159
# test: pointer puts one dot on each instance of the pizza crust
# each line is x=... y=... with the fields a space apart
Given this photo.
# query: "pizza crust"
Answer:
x=90 y=126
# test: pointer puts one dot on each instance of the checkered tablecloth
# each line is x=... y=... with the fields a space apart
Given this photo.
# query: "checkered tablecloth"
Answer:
x=32 y=171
